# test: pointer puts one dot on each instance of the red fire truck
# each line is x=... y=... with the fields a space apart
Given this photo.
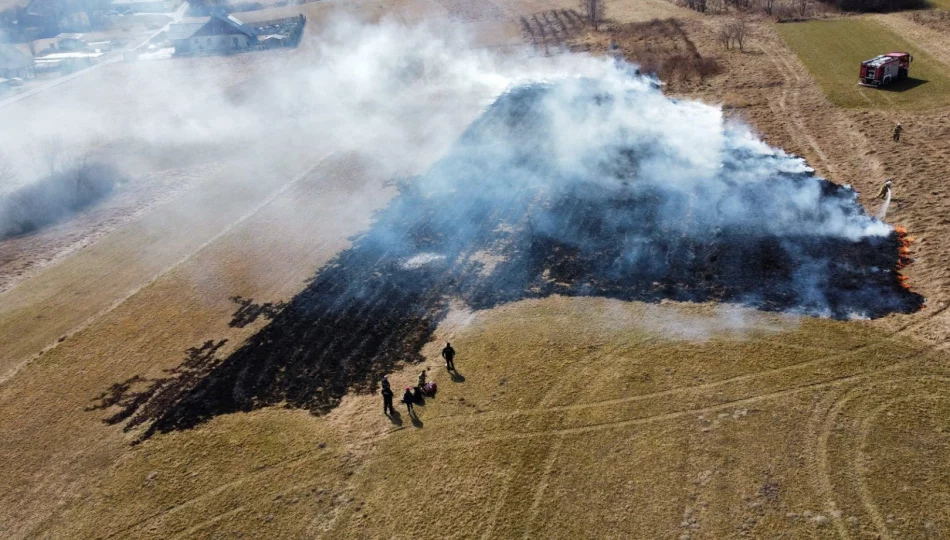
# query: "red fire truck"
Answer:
x=885 y=69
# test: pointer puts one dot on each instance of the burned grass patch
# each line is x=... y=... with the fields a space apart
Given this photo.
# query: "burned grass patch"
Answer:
x=138 y=400
x=248 y=311
x=623 y=210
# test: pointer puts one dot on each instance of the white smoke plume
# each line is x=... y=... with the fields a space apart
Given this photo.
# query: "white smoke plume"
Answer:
x=531 y=177
x=882 y=211
x=402 y=95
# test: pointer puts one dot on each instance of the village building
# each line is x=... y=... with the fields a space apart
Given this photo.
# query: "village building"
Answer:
x=53 y=16
x=221 y=34
x=225 y=34
x=177 y=33
x=60 y=43
x=145 y=6
x=67 y=62
x=15 y=63
x=70 y=42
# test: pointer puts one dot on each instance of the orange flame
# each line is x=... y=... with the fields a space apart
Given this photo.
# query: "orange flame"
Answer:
x=903 y=254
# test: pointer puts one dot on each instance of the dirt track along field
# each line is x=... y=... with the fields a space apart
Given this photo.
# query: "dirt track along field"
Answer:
x=568 y=417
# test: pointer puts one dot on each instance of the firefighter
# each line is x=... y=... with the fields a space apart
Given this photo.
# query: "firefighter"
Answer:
x=885 y=191
x=897 y=132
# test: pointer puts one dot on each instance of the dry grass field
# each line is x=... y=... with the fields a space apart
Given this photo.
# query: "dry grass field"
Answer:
x=561 y=428
x=570 y=417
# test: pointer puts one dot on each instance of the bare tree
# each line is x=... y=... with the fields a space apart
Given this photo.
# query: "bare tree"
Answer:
x=725 y=37
x=697 y=5
x=593 y=11
x=740 y=32
x=53 y=154
x=735 y=33
x=802 y=7
x=769 y=6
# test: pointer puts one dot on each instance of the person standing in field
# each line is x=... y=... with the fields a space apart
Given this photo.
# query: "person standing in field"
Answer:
x=897 y=132
x=449 y=354
x=388 y=400
x=408 y=398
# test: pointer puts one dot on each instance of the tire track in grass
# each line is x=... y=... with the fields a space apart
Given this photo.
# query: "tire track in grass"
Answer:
x=819 y=445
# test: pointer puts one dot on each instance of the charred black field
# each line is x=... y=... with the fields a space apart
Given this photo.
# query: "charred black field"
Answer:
x=576 y=188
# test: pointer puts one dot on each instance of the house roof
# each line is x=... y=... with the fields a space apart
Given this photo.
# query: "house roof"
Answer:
x=182 y=30
x=68 y=56
x=225 y=25
x=13 y=58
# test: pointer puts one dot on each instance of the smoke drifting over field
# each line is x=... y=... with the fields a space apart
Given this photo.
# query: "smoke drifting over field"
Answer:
x=581 y=186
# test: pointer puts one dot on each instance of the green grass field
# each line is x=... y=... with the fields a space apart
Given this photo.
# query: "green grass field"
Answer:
x=833 y=50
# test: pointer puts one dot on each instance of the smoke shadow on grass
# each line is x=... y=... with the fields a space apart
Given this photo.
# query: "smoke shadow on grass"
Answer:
x=625 y=218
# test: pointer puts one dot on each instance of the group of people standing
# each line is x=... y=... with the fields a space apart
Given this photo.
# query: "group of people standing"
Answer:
x=414 y=395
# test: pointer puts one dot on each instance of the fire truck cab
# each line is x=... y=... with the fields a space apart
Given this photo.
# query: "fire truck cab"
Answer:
x=885 y=69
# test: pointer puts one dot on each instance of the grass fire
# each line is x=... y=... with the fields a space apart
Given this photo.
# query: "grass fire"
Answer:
x=576 y=190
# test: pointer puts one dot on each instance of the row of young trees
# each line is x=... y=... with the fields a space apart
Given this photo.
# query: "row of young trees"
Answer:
x=771 y=7
x=594 y=12
x=797 y=9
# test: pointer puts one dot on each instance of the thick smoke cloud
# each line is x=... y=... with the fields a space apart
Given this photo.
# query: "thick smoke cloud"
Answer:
x=399 y=94
x=396 y=96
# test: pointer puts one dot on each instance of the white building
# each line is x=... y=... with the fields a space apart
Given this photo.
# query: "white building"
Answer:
x=146 y=6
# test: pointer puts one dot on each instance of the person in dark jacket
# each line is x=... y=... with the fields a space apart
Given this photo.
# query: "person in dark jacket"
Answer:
x=897 y=132
x=388 y=400
x=422 y=379
x=449 y=354
x=408 y=398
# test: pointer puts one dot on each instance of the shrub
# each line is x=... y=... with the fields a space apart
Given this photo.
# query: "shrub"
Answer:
x=55 y=197
x=877 y=5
